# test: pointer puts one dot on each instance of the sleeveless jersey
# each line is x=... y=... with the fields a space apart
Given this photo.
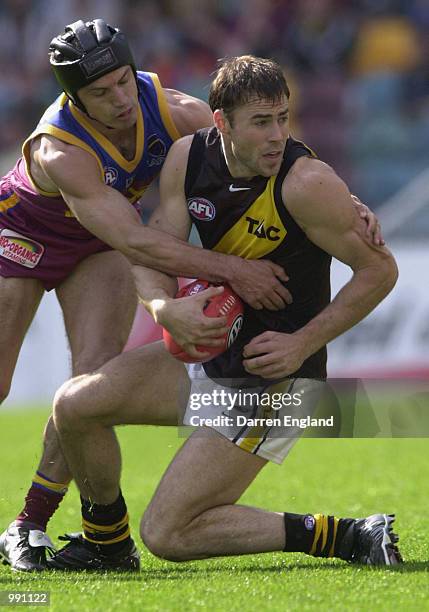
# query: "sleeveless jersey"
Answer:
x=155 y=134
x=247 y=217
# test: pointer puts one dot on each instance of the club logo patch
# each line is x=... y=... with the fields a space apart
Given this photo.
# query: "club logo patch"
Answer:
x=20 y=249
x=201 y=209
x=157 y=150
x=110 y=176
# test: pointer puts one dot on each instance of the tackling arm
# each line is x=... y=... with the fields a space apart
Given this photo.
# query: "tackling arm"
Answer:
x=107 y=214
x=183 y=318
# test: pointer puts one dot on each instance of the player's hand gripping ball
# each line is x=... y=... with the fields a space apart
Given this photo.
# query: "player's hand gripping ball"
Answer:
x=227 y=304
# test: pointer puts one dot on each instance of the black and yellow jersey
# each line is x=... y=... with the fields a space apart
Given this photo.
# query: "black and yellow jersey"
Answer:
x=247 y=217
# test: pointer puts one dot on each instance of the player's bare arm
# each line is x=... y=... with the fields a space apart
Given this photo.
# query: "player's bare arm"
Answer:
x=105 y=212
x=322 y=205
x=183 y=318
x=257 y=282
x=108 y=215
x=189 y=114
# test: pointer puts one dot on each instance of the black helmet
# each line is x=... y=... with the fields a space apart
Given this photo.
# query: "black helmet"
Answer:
x=86 y=52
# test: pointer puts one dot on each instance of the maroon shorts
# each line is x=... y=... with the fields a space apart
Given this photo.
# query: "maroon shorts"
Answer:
x=28 y=249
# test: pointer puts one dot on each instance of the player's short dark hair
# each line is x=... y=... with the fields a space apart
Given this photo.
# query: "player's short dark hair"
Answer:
x=241 y=79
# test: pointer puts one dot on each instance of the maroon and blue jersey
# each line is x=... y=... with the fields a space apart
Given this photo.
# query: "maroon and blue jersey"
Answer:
x=35 y=221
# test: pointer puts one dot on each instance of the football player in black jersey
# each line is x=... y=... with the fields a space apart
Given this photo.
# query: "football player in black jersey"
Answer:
x=246 y=167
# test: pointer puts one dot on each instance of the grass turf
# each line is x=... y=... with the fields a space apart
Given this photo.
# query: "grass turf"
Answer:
x=345 y=477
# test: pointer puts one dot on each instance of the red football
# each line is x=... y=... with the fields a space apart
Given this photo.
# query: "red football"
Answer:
x=227 y=304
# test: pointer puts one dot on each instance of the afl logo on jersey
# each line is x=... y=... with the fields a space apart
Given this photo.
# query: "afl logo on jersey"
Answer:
x=110 y=176
x=201 y=209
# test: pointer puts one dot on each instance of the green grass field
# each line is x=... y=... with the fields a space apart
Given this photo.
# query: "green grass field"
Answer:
x=345 y=477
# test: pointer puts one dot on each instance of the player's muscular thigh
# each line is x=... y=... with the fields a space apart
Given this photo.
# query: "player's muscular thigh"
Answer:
x=99 y=302
x=19 y=299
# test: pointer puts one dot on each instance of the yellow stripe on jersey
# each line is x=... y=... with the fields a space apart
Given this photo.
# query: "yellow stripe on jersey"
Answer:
x=259 y=230
x=114 y=153
x=63 y=136
x=8 y=203
x=166 y=117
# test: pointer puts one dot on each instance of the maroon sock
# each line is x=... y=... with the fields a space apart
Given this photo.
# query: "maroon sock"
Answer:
x=40 y=504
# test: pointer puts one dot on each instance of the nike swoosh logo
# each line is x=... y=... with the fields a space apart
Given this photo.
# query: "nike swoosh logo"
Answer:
x=232 y=188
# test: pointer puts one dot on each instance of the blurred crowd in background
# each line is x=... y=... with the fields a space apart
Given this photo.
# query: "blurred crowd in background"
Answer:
x=358 y=69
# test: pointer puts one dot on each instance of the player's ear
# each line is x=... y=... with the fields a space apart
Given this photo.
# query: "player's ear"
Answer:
x=220 y=121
